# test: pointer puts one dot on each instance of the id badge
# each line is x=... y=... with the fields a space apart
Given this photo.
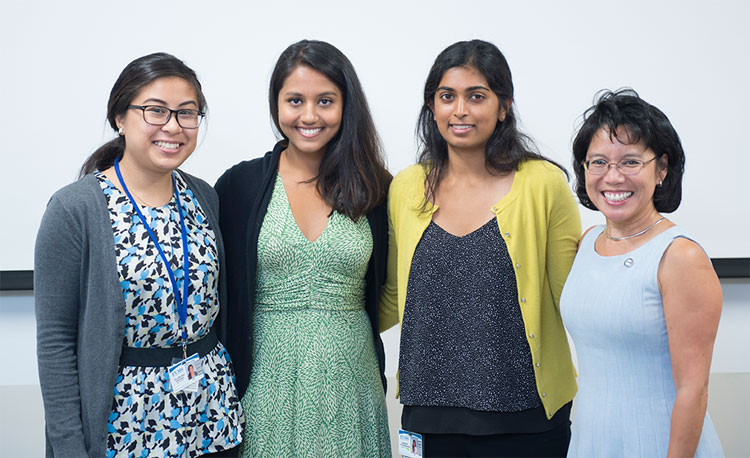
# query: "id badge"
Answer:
x=186 y=374
x=409 y=444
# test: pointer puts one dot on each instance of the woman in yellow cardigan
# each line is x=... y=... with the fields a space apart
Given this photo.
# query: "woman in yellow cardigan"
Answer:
x=483 y=232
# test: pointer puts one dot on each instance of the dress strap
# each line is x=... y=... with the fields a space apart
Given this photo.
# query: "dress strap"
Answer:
x=588 y=240
x=664 y=240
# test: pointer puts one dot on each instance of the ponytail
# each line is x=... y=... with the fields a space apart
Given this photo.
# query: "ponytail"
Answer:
x=104 y=157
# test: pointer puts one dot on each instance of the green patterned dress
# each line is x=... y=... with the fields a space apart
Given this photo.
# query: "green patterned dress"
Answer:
x=315 y=388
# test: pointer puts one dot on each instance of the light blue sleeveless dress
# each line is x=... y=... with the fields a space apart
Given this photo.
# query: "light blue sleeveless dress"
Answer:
x=612 y=307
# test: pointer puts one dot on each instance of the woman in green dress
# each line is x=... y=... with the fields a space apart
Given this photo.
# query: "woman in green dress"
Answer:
x=305 y=230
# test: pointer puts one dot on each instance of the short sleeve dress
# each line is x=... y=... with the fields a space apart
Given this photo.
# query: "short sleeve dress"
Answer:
x=147 y=418
x=315 y=388
x=612 y=307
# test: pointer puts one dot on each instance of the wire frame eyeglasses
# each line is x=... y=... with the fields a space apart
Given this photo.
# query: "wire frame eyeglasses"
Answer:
x=625 y=166
x=158 y=115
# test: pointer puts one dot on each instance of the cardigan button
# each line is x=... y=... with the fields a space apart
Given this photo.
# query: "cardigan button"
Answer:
x=523 y=299
x=538 y=364
x=531 y=336
x=507 y=234
x=518 y=266
x=544 y=395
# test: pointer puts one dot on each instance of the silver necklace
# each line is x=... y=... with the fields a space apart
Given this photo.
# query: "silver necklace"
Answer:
x=617 y=239
x=141 y=200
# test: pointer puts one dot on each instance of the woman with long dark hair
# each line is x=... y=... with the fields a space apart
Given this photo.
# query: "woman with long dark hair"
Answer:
x=483 y=234
x=306 y=234
x=127 y=286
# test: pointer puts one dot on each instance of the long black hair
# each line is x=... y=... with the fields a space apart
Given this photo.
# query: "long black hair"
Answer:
x=507 y=147
x=352 y=177
x=637 y=121
x=134 y=77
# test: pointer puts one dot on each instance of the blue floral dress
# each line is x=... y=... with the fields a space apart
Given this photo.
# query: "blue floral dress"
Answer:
x=148 y=419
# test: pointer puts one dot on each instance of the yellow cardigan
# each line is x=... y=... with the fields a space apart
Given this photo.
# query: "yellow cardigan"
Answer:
x=540 y=223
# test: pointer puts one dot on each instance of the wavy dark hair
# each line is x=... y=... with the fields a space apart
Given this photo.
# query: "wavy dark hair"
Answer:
x=638 y=121
x=134 y=77
x=507 y=147
x=352 y=177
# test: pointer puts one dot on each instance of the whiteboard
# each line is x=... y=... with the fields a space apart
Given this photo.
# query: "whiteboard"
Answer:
x=60 y=59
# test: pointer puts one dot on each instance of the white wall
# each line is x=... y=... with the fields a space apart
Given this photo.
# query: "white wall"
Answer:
x=21 y=421
x=59 y=60
x=689 y=57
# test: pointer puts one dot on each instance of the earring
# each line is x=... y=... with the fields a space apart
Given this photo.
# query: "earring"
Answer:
x=119 y=131
x=659 y=185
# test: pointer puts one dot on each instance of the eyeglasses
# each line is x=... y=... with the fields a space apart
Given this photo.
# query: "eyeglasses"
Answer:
x=157 y=115
x=625 y=166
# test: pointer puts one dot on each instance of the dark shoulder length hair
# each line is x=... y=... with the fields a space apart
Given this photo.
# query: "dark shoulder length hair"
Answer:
x=352 y=177
x=134 y=77
x=630 y=119
x=507 y=147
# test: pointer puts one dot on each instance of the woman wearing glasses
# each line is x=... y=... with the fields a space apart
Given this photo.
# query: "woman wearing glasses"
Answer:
x=127 y=286
x=484 y=232
x=642 y=301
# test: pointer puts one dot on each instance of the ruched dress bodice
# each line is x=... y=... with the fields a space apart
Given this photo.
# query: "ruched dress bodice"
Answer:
x=315 y=387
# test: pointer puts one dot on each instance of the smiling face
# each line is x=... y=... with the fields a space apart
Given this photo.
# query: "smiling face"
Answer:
x=465 y=109
x=624 y=199
x=310 y=109
x=159 y=149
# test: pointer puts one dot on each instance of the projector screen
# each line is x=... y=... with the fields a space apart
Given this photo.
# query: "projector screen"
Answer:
x=60 y=59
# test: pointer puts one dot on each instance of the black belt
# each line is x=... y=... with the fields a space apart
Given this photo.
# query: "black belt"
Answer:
x=162 y=357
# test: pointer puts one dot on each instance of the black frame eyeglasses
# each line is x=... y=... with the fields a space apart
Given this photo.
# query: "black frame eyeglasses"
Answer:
x=625 y=166
x=187 y=118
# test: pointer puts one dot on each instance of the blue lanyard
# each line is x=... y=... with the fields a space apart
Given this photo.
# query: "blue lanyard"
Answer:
x=180 y=299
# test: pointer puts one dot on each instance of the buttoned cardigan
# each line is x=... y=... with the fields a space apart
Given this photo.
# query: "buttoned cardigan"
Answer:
x=540 y=223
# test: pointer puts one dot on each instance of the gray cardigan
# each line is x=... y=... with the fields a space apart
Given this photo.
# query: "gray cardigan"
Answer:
x=80 y=313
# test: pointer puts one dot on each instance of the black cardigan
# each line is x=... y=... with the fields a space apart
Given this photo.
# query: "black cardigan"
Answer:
x=244 y=192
